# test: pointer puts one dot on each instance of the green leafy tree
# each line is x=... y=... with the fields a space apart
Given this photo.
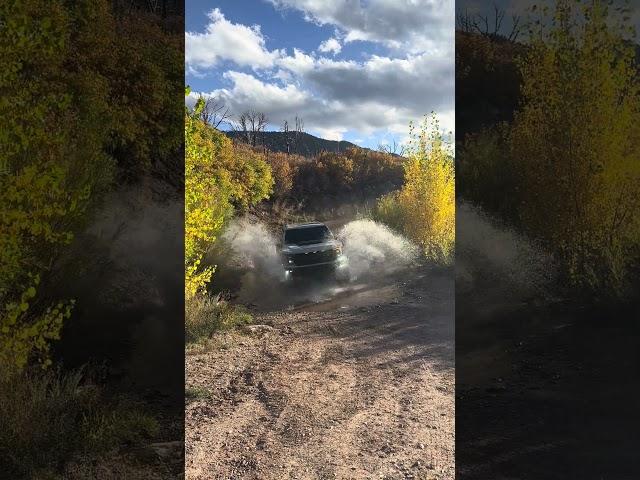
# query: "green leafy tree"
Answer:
x=85 y=101
x=54 y=167
x=576 y=142
x=218 y=178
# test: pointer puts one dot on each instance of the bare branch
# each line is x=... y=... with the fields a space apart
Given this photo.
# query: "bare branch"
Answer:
x=214 y=112
x=251 y=123
x=287 y=136
x=482 y=25
x=515 y=29
x=392 y=149
x=299 y=130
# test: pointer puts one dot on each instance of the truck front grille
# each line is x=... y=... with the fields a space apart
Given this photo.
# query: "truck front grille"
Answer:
x=310 y=258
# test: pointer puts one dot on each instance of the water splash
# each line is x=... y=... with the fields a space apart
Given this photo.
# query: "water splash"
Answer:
x=249 y=263
x=498 y=256
x=371 y=249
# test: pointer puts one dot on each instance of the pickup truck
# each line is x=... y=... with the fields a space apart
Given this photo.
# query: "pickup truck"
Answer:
x=308 y=247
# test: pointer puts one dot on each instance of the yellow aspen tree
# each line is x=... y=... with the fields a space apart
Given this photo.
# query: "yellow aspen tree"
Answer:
x=576 y=141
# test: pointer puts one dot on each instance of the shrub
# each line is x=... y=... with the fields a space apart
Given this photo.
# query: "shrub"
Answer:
x=46 y=418
x=424 y=208
x=488 y=174
x=196 y=393
x=68 y=132
x=217 y=178
x=487 y=81
x=54 y=166
x=205 y=315
x=145 y=73
x=353 y=171
x=577 y=151
x=283 y=170
x=375 y=170
x=389 y=211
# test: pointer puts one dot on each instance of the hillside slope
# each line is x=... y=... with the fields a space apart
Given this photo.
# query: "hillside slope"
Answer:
x=306 y=143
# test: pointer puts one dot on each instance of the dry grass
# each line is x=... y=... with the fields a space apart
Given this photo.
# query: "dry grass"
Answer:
x=49 y=418
x=205 y=315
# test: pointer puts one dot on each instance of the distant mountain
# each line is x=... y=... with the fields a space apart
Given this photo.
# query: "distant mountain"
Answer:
x=306 y=143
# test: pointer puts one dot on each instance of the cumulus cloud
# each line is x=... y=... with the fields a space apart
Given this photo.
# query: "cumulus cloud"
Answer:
x=379 y=95
x=330 y=46
x=299 y=64
x=418 y=83
x=338 y=96
x=330 y=118
x=415 y=25
x=223 y=40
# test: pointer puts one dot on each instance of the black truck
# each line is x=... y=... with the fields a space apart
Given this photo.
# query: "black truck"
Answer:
x=310 y=247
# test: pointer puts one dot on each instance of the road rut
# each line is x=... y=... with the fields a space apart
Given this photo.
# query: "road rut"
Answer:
x=359 y=392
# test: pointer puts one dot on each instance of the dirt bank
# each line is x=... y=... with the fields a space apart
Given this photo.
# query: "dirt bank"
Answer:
x=360 y=390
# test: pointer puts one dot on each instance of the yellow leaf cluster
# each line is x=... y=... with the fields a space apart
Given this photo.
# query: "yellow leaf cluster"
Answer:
x=424 y=209
x=576 y=142
x=85 y=97
x=218 y=178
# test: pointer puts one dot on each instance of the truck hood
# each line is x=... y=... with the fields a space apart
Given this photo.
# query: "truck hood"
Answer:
x=311 y=247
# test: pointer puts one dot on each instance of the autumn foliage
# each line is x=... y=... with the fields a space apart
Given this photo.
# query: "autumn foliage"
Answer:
x=424 y=208
x=219 y=179
x=356 y=170
x=566 y=170
x=580 y=187
x=85 y=101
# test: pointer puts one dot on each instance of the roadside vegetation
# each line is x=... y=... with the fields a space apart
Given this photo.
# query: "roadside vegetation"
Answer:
x=86 y=106
x=227 y=178
x=424 y=208
x=50 y=418
x=220 y=179
x=565 y=169
x=330 y=174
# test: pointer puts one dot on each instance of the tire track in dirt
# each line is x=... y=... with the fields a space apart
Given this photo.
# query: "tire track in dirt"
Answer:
x=359 y=393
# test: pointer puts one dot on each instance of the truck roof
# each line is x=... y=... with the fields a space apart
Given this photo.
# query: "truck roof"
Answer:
x=303 y=225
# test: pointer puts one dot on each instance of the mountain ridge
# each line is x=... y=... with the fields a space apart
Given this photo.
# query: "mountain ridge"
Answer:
x=305 y=144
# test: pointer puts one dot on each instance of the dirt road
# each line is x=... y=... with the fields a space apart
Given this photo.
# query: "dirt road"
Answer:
x=346 y=389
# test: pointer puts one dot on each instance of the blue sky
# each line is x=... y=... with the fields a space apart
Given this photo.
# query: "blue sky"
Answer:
x=358 y=70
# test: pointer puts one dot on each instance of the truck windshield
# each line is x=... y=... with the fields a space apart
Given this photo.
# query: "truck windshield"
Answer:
x=303 y=235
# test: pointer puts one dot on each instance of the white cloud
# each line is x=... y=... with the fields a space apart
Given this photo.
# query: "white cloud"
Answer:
x=331 y=45
x=324 y=116
x=283 y=76
x=380 y=94
x=251 y=92
x=299 y=64
x=376 y=96
x=417 y=84
x=331 y=133
x=413 y=25
x=223 y=40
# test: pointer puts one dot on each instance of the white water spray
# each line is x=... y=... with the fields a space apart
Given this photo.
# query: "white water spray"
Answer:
x=372 y=249
x=251 y=254
x=489 y=252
